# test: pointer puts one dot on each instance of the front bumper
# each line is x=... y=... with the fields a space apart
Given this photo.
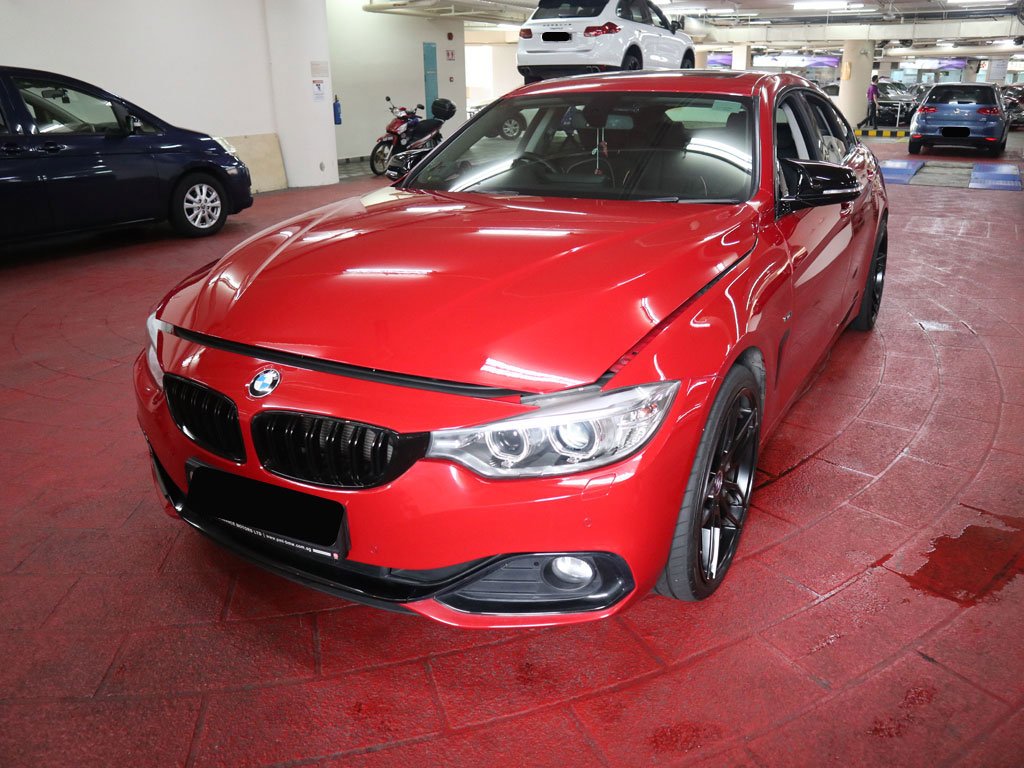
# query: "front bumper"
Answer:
x=419 y=542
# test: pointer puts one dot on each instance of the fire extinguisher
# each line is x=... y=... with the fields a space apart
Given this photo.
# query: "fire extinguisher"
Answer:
x=337 y=110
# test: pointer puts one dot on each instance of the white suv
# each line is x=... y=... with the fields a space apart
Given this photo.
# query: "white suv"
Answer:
x=570 y=38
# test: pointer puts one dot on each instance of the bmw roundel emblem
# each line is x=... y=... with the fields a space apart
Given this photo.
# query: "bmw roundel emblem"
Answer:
x=264 y=382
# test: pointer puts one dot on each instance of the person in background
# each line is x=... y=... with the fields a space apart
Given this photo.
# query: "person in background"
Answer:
x=872 y=116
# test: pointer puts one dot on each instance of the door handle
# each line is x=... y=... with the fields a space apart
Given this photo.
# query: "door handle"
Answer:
x=12 y=149
x=51 y=147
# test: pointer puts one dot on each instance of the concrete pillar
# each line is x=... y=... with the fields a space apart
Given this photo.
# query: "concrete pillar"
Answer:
x=700 y=59
x=741 y=57
x=885 y=69
x=971 y=71
x=854 y=78
x=301 y=86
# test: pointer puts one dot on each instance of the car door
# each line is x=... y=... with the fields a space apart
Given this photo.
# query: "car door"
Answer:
x=836 y=143
x=669 y=48
x=95 y=172
x=24 y=207
x=818 y=240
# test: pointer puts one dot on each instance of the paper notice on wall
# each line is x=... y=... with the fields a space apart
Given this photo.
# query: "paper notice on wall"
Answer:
x=996 y=70
x=319 y=69
x=319 y=90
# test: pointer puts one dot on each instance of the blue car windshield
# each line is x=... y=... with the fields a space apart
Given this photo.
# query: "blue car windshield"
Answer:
x=619 y=146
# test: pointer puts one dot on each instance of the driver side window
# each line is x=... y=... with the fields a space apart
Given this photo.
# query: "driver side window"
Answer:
x=791 y=142
x=58 y=109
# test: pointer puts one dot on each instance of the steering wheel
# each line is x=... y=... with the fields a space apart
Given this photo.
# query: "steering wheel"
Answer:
x=533 y=157
x=588 y=162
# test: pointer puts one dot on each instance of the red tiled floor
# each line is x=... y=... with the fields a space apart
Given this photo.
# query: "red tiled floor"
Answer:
x=661 y=720
x=894 y=488
x=913 y=713
x=835 y=549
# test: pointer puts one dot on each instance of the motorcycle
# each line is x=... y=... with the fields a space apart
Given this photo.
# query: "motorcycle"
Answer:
x=408 y=131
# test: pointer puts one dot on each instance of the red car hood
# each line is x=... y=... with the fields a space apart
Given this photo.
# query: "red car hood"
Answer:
x=520 y=293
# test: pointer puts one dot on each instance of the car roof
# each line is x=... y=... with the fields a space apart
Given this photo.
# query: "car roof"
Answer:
x=724 y=82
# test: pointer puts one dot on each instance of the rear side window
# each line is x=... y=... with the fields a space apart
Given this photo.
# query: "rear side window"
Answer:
x=3 y=123
x=559 y=9
x=963 y=94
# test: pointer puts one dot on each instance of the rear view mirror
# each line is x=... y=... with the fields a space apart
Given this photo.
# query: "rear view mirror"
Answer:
x=813 y=184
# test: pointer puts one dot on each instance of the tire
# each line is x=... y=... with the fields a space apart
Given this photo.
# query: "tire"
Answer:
x=914 y=147
x=874 y=284
x=379 y=157
x=706 y=536
x=688 y=61
x=198 y=206
x=512 y=127
x=632 y=61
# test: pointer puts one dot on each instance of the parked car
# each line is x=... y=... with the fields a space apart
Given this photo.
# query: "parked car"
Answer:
x=895 y=104
x=570 y=38
x=961 y=114
x=1013 y=101
x=553 y=401
x=76 y=157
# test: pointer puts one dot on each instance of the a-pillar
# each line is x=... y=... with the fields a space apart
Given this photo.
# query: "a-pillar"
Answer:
x=301 y=85
x=854 y=78
x=741 y=57
x=700 y=59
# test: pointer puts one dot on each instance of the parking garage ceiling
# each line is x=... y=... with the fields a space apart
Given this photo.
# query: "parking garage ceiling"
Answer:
x=899 y=27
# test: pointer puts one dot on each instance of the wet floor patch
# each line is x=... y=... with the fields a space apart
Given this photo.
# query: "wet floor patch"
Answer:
x=978 y=562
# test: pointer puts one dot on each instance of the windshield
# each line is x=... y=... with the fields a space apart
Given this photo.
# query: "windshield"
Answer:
x=892 y=91
x=619 y=146
x=557 y=9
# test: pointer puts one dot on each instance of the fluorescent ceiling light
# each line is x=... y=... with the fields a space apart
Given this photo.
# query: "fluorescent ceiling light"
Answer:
x=853 y=9
x=760 y=21
x=824 y=5
x=721 y=12
x=744 y=14
x=979 y=2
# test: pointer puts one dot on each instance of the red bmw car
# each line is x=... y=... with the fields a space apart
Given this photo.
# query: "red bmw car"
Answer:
x=526 y=384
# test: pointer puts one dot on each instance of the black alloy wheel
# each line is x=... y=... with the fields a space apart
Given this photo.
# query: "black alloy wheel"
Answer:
x=871 y=301
x=717 y=497
x=632 y=61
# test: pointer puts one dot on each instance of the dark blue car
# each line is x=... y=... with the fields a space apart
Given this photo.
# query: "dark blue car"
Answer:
x=74 y=157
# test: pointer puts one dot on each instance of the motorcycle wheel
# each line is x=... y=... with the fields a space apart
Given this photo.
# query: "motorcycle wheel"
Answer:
x=379 y=157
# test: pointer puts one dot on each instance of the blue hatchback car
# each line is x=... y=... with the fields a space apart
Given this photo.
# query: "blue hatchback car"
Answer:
x=74 y=157
x=960 y=114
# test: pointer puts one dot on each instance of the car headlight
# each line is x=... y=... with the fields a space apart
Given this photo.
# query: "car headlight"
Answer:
x=154 y=328
x=566 y=434
x=227 y=147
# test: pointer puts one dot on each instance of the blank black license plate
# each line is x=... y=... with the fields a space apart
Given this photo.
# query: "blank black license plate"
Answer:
x=277 y=515
x=956 y=133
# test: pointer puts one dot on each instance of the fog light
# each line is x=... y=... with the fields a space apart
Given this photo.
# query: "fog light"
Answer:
x=572 y=570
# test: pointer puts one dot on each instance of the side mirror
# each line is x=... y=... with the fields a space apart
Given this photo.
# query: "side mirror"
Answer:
x=132 y=125
x=675 y=26
x=128 y=122
x=812 y=184
x=403 y=162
